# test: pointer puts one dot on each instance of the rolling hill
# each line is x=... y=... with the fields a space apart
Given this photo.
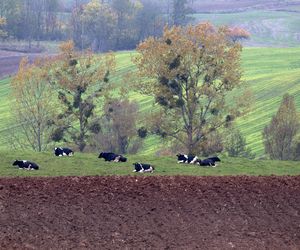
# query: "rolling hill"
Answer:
x=268 y=28
x=269 y=72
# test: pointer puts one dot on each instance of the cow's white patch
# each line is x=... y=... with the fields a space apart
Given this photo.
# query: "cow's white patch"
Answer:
x=24 y=161
x=194 y=160
x=64 y=153
x=186 y=156
x=181 y=161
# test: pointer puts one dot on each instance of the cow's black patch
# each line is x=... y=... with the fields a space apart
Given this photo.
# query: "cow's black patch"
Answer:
x=63 y=152
x=28 y=165
x=143 y=167
x=109 y=156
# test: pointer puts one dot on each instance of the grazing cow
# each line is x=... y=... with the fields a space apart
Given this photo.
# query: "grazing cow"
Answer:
x=192 y=159
x=109 y=156
x=209 y=162
x=143 y=168
x=63 y=152
x=28 y=165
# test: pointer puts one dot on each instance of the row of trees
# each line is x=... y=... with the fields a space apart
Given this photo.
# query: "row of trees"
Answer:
x=32 y=19
x=56 y=99
x=188 y=70
x=191 y=73
x=101 y=25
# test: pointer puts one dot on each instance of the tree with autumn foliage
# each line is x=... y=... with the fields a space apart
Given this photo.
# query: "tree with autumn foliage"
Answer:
x=2 y=23
x=33 y=106
x=237 y=34
x=280 y=136
x=81 y=79
x=190 y=71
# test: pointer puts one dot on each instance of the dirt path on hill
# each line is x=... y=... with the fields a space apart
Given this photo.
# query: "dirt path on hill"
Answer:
x=150 y=213
x=9 y=61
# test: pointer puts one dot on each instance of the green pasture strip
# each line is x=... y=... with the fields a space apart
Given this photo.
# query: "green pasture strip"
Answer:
x=82 y=164
x=268 y=72
x=4 y=109
x=267 y=28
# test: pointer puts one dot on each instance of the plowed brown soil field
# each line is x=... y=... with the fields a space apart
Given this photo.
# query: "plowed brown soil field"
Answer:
x=150 y=213
x=9 y=61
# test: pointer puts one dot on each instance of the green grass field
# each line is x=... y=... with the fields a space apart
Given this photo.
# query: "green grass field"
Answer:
x=267 y=28
x=88 y=164
x=269 y=72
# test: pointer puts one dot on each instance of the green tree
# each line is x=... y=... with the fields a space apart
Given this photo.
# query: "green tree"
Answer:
x=189 y=71
x=235 y=144
x=81 y=79
x=280 y=135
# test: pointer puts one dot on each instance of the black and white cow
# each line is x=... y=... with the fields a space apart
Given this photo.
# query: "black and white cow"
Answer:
x=28 y=165
x=63 y=152
x=209 y=162
x=109 y=156
x=143 y=168
x=192 y=159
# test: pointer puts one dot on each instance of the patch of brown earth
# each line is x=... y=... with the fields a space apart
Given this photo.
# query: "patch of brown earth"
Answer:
x=150 y=213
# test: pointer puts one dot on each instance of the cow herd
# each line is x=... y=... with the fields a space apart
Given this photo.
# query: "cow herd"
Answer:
x=112 y=157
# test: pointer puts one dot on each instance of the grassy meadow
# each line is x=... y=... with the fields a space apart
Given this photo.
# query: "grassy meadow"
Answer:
x=268 y=72
x=82 y=164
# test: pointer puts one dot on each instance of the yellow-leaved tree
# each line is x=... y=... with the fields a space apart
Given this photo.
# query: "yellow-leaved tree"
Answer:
x=32 y=105
x=2 y=23
x=190 y=71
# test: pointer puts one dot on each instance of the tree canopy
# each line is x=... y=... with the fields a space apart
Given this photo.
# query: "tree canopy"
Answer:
x=81 y=79
x=190 y=71
x=280 y=135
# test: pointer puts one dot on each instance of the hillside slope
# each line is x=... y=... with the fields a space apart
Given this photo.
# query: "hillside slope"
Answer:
x=269 y=72
x=267 y=28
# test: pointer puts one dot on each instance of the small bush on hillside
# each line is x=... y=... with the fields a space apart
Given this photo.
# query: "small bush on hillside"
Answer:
x=280 y=135
x=118 y=131
x=235 y=144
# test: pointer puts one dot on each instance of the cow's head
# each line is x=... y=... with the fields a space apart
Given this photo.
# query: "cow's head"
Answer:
x=16 y=163
x=123 y=159
x=100 y=155
x=137 y=167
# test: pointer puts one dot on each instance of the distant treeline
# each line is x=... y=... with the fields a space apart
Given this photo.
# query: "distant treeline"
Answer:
x=98 y=24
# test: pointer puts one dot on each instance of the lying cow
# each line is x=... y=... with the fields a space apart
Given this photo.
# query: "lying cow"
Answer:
x=63 y=152
x=191 y=159
x=209 y=162
x=109 y=156
x=28 y=165
x=143 y=168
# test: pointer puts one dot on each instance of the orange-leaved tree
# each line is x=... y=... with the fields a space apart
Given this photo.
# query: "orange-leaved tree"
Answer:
x=81 y=79
x=190 y=71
